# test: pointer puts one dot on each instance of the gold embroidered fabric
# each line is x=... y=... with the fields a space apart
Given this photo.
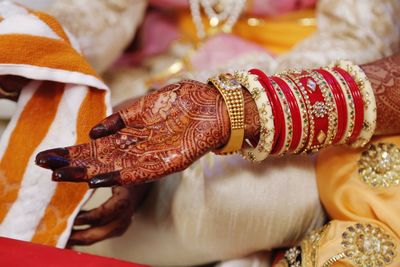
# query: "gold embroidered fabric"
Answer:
x=346 y=243
x=361 y=190
x=379 y=165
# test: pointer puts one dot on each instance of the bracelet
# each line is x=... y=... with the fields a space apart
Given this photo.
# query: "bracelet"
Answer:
x=316 y=90
x=341 y=106
x=295 y=76
x=286 y=138
x=358 y=104
x=295 y=110
x=267 y=127
x=368 y=97
x=231 y=91
x=301 y=108
x=349 y=105
x=331 y=107
x=274 y=99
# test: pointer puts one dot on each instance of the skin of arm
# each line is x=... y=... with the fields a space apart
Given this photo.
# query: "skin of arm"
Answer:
x=384 y=76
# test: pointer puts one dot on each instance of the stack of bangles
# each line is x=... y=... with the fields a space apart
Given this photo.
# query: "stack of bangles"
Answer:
x=300 y=111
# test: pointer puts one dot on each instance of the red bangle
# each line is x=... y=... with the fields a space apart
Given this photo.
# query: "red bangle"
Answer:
x=358 y=103
x=294 y=111
x=276 y=105
x=340 y=104
x=319 y=112
x=302 y=109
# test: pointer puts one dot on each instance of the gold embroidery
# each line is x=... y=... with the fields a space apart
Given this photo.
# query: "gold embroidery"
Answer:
x=379 y=166
x=367 y=245
x=310 y=245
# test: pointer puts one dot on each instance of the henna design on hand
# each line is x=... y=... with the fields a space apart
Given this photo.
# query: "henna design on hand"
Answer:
x=384 y=76
x=161 y=133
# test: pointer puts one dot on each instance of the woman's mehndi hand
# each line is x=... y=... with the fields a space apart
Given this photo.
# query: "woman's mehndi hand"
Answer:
x=161 y=133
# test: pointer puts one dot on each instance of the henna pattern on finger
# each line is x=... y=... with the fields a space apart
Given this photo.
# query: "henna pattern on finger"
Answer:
x=384 y=76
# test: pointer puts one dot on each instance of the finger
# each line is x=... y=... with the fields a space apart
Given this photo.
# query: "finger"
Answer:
x=117 y=121
x=109 y=125
x=70 y=174
x=82 y=170
x=105 y=180
x=99 y=233
x=53 y=158
x=113 y=207
x=61 y=157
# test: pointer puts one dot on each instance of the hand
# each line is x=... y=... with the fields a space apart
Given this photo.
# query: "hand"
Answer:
x=110 y=219
x=161 y=133
x=10 y=86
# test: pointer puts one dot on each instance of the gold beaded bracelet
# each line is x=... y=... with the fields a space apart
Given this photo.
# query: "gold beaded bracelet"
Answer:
x=232 y=93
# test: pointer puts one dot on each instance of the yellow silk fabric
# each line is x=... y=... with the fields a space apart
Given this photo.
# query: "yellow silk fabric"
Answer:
x=277 y=34
x=347 y=198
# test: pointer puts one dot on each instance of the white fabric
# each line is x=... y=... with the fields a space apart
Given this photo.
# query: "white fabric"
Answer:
x=36 y=188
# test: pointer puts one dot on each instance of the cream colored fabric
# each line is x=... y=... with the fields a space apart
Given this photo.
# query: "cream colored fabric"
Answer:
x=221 y=208
x=361 y=31
x=103 y=28
x=260 y=259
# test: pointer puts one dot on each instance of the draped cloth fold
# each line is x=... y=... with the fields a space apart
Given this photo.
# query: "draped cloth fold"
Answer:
x=57 y=108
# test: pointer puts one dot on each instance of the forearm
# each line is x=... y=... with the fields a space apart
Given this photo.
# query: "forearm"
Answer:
x=384 y=76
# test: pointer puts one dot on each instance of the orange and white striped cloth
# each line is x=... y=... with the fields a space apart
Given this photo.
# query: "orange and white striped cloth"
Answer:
x=64 y=99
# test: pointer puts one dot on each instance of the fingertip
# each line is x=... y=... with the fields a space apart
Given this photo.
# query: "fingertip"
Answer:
x=52 y=158
x=109 y=125
x=98 y=131
x=70 y=174
x=105 y=180
x=82 y=218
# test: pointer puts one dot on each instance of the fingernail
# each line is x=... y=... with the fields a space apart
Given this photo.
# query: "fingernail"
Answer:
x=104 y=180
x=70 y=174
x=52 y=162
x=42 y=158
x=97 y=130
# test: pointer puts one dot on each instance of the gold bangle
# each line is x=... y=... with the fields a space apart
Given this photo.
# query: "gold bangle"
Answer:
x=232 y=93
x=7 y=94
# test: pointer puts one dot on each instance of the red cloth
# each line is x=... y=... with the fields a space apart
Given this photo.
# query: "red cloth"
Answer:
x=14 y=253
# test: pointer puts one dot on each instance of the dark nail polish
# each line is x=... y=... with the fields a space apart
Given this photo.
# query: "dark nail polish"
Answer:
x=53 y=162
x=58 y=155
x=104 y=180
x=70 y=174
x=97 y=131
